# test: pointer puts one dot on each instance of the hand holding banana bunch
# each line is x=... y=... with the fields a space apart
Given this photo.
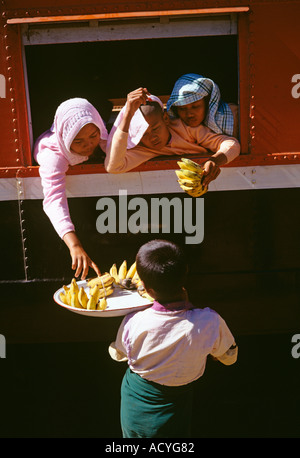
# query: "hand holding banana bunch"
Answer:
x=102 y=287
x=190 y=177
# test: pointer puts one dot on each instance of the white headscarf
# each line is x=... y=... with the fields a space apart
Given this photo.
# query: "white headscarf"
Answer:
x=138 y=124
x=70 y=117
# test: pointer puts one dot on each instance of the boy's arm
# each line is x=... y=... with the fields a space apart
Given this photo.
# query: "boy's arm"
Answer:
x=225 y=149
x=119 y=159
x=230 y=356
x=225 y=349
x=116 y=349
x=116 y=354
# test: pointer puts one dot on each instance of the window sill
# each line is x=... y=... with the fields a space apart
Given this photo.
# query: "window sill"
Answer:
x=161 y=163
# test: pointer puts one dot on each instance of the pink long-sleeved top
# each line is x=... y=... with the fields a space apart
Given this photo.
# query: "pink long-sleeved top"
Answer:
x=184 y=140
x=52 y=151
x=52 y=170
x=53 y=167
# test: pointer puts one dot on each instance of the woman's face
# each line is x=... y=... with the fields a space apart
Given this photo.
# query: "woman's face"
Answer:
x=86 y=141
x=193 y=114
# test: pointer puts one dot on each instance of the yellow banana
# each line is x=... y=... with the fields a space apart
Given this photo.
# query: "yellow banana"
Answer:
x=131 y=272
x=75 y=301
x=82 y=298
x=202 y=191
x=122 y=270
x=107 y=292
x=188 y=164
x=102 y=282
x=186 y=188
x=189 y=183
x=197 y=192
x=184 y=174
x=114 y=273
x=102 y=304
x=64 y=298
x=74 y=287
x=145 y=295
x=98 y=293
x=91 y=303
x=72 y=293
x=68 y=293
x=136 y=277
x=71 y=289
x=136 y=281
x=139 y=283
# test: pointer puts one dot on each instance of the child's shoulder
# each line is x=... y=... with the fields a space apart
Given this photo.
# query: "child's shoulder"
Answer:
x=206 y=313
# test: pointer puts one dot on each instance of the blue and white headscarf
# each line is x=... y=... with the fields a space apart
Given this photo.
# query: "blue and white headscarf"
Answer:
x=192 y=87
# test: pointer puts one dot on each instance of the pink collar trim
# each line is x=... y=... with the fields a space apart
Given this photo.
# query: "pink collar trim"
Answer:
x=172 y=306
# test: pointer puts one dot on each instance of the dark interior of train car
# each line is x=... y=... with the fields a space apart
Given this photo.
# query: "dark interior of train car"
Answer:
x=100 y=71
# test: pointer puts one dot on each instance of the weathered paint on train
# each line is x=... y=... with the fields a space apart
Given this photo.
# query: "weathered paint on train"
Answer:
x=247 y=263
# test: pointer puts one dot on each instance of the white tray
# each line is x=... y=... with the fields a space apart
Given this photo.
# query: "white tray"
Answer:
x=119 y=303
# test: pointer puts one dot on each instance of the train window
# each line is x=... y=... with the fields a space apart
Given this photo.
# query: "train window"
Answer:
x=103 y=61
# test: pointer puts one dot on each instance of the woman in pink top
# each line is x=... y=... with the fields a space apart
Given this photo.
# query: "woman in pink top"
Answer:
x=77 y=131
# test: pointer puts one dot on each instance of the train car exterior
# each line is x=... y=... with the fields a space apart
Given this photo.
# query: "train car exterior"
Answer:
x=242 y=236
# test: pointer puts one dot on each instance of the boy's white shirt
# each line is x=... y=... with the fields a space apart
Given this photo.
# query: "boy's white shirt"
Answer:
x=171 y=348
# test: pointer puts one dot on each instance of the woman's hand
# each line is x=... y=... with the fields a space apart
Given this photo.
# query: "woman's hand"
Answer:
x=81 y=262
x=211 y=172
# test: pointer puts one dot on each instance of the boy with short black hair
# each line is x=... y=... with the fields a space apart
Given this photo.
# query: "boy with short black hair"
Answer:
x=166 y=347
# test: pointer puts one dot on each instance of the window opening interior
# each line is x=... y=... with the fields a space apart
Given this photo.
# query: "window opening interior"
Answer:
x=107 y=70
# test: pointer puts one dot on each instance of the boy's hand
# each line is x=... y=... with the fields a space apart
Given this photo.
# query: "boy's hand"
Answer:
x=211 y=172
x=136 y=98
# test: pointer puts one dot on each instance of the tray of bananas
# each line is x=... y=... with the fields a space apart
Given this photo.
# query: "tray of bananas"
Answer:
x=115 y=293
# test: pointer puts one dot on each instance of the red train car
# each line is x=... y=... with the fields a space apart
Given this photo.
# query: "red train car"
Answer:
x=102 y=51
x=247 y=263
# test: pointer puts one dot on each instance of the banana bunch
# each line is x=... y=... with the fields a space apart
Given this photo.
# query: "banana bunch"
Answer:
x=142 y=292
x=104 y=281
x=190 y=177
x=70 y=296
x=125 y=278
x=99 y=289
x=102 y=287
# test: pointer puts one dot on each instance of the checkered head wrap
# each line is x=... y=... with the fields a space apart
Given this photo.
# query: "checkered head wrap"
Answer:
x=192 y=87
